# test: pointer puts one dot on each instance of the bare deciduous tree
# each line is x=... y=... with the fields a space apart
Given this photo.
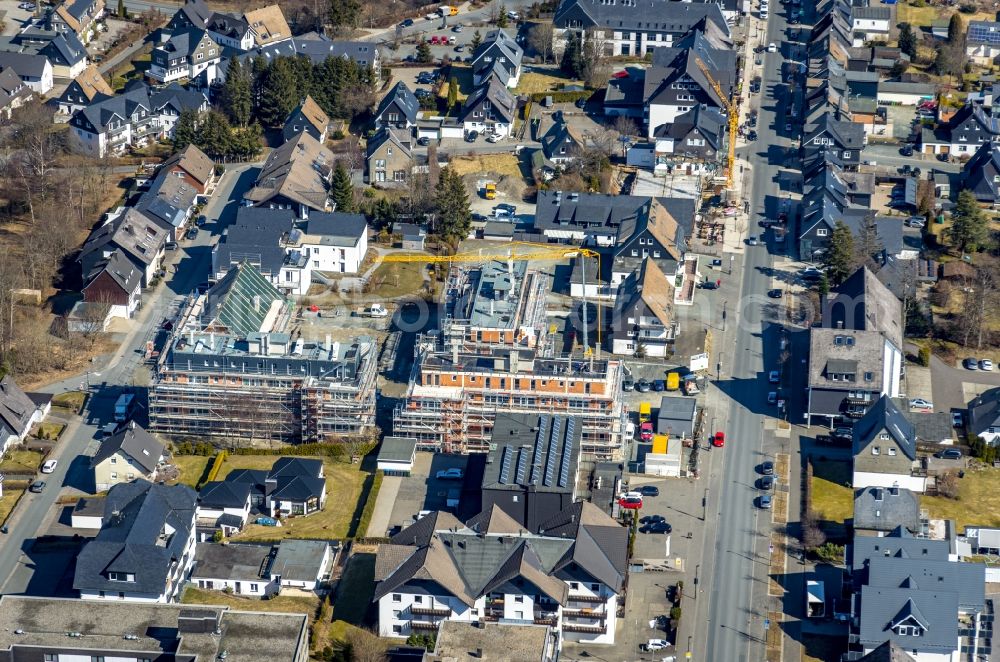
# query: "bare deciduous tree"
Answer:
x=541 y=39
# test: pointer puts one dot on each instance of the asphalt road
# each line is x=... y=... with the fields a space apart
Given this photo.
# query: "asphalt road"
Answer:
x=106 y=379
x=735 y=618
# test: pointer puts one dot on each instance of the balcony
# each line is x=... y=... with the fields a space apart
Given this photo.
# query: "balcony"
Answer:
x=583 y=613
x=587 y=598
x=431 y=611
x=424 y=625
x=546 y=618
x=574 y=627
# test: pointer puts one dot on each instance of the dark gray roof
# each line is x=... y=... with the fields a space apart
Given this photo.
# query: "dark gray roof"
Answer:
x=403 y=98
x=337 y=228
x=232 y=562
x=884 y=508
x=504 y=104
x=397 y=449
x=224 y=494
x=673 y=407
x=64 y=49
x=104 y=109
x=651 y=16
x=980 y=174
x=135 y=442
x=672 y=64
x=984 y=411
x=254 y=237
x=884 y=415
x=708 y=121
x=299 y=560
x=135 y=539
x=16 y=408
x=560 y=136
x=936 y=611
x=385 y=134
x=877 y=12
x=496 y=44
x=900 y=543
x=540 y=452
x=890 y=651
x=599 y=214
x=966 y=579
x=317 y=48
x=30 y=65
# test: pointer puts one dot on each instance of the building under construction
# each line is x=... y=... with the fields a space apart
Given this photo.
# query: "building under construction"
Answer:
x=455 y=394
x=236 y=367
x=498 y=304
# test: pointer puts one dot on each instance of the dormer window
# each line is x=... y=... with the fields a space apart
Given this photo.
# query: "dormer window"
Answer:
x=121 y=576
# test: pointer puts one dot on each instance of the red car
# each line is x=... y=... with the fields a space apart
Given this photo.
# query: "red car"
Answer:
x=434 y=39
x=719 y=440
x=646 y=431
x=630 y=502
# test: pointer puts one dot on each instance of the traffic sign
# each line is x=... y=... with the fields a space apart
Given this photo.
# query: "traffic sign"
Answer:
x=767 y=623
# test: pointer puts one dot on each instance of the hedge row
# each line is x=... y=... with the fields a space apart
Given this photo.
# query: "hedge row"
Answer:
x=561 y=97
x=217 y=463
x=369 y=510
x=332 y=450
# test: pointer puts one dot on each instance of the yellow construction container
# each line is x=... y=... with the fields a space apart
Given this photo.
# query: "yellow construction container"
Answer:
x=660 y=444
x=673 y=381
x=491 y=191
x=645 y=412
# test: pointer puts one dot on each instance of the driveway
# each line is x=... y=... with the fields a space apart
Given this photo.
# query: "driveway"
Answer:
x=953 y=386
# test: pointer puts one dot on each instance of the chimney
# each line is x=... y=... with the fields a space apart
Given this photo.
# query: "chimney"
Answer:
x=480 y=654
x=840 y=325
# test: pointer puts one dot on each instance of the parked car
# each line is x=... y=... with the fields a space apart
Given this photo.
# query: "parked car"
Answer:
x=407 y=23
x=422 y=93
x=657 y=527
x=628 y=384
x=920 y=403
x=457 y=28
x=659 y=385
x=765 y=483
x=764 y=501
x=775 y=294
x=49 y=466
x=949 y=454
x=649 y=490
x=192 y=233
x=970 y=364
x=37 y=486
x=201 y=221
x=774 y=377
x=916 y=222
x=906 y=150
x=646 y=431
x=843 y=432
x=649 y=519
x=985 y=364
x=751 y=135
x=752 y=240
x=471 y=136
x=643 y=386
x=719 y=439
x=811 y=273
x=656 y=645
x=423 y=141
x=957 y=420
x=494 y=138
x=708 y=285
x=449 y=474
x=630 y=502
x=767 y=468
x=772 y=48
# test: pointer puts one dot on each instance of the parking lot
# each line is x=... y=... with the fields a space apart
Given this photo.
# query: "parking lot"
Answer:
x=421 y=490
x=13 y=16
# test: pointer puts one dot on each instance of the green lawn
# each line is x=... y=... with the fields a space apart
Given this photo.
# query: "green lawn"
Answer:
x=552 y=80
x=21 y=461
x=978 y=500
x=192 y=468
x=832 y=495
x=344 y=501
x=72 y=400
x=916 y=16
x=50 y=431
x=279 y=603
x=394 y=279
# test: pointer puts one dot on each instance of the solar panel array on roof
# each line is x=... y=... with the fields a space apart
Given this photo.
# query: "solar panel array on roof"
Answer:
x=550 y=459
x=522 y=464
x=505 y=462
x=567 y=454
x=984 y=32
x=543 y=430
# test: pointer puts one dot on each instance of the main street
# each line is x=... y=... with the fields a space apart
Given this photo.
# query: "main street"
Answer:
x=80 y=440
x=731 y=621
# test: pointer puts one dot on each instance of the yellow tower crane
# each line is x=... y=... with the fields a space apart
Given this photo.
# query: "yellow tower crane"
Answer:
x=518 y=251
x=732 y=108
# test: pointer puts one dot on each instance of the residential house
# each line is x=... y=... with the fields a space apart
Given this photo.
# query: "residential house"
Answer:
x=963 y=134
x=880 y=510
x=33 y=69
x=110 y=125
x=230 y=31
x=412 y=236
x=269 y=25
x=562 y=144
x=909 y=592
x=389 y=158
x=116 y=283
x=189 y=54
x=983 y=416
x=18 y=413
x=885 y=450
x=293 y=486
x=498 y=55
x=129 y=454
x=397 y=109
x=317 y=47
x=255 y=238
x=642 y=321
x=231 y=354
x=64 y=51
x=309 y=117
x=982 y=42
x=676 y=82
x=654 y=233
x=531 y=467
x=870 y=23
x=193 y=166
x=294 y=176
x=223 y=506
x=845 y=140
x=145 y=548
x=491 y=108
x=567 y=575
x=83 y=90
x=693 y=142
x=630 y=28
x=78 y=17
x=981 y=174
x=170 y=201
x=139 y=237
x=192 y=14
x=263 y=570
x=333 y=242
x=13 y=92
x=855 y=356
x=38 y=627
